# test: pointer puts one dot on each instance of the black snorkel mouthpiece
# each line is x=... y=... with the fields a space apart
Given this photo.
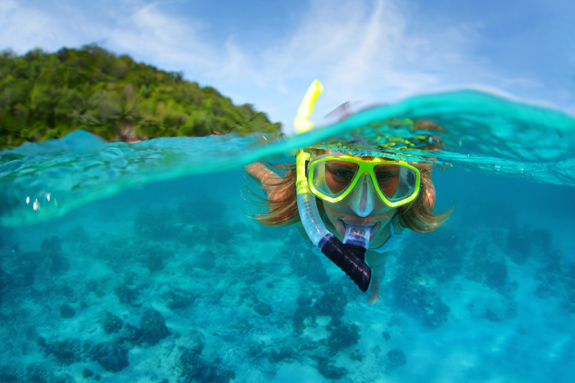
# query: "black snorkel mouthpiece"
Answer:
x=350 y=259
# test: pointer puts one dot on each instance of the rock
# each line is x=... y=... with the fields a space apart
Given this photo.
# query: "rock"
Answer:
x=263 y=308
x=66 y=352
x=413 y=294
x=307 y=264
x=176 y=300
x=153 y=327
x=52 y=244
x=66 y=311
x=8 y=374
x=126 y=295
x=329 y=371
x=130 y=334
x=111 y=357
x=303 y=317
x=304 y=300
x=342 y=337
x=394 y=359
x=332 y=302
x=386 y=335
x=87 y=373
x=205 y=260
x=111 y=323
x=281 y=355
x=195 y=369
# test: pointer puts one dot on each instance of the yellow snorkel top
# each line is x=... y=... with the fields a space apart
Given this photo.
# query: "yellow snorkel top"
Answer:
x=301 y=121
x=302 y=124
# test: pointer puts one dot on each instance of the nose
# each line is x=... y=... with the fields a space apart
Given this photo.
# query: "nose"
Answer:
x=362 y=200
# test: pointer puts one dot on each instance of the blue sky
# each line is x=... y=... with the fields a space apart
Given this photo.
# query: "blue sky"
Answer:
x=268 y=52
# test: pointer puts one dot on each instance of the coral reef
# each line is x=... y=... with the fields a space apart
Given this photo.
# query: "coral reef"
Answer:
x=329 y=371
x=394 y=359
x=153 y=327
x=66 y=311
x=111 y=323
x=412 y=293
x=110 y=356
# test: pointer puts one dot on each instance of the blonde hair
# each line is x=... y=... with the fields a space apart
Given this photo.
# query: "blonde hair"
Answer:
x=282 y=209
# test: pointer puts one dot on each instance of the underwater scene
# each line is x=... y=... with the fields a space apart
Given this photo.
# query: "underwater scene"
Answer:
x=139 y=262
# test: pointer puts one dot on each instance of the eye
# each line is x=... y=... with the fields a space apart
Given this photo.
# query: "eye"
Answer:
x=385 y=175
x=343 y=173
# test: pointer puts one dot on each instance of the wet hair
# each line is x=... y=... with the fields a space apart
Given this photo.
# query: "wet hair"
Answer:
x=282 y=209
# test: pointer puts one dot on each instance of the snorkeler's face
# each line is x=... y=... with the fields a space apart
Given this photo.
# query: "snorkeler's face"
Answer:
x=341 y=212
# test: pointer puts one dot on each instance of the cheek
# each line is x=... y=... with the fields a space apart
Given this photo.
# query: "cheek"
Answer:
x=331 y=212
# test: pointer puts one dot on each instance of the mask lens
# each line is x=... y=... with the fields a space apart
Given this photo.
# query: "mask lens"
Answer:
x=396 y=182
x=332 y=178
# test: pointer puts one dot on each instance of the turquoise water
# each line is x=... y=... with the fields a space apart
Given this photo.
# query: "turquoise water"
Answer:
x=137 y=263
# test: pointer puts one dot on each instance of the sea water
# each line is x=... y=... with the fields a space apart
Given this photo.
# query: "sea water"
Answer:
x=137 y=262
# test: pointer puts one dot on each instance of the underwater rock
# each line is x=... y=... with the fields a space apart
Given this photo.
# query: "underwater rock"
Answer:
x=9 y=374
x=412 y=293
x=111 y=323
x=87 y=373
x=523 y=243
x=154 y=258
x=342 y=336
x=58 y=264
x=394 y=359
x=36 y=373
x=66 y=311
x=488 y=265
x=285 y=353
x=356 y=355
x=500 y=310
x=205 y=260
x=496 y=276
x=153 y=327
x=332 y=303
x=306 y=264
x=303 y=316
x=329 y=371
x=126 y=295
x=439 y=257
x=111 y=357
x=52 y=244
x=304 y=300
x=78 y=234
x=201 y=209
x=130 y=334
x=222 y=233
x=263 y=308
x=6 y=281
x=176 y=300
x=195 y=369
x=153 y=223
x=386 y=335
x=24 y=274
x=66 y=352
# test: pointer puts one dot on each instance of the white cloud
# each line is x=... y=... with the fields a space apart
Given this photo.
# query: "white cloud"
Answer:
x=162 y=39
x=367 y=50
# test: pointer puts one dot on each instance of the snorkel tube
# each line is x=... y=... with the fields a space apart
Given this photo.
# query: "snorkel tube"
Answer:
x=350 y=255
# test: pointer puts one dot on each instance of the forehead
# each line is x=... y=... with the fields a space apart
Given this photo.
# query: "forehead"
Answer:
x=366 y=158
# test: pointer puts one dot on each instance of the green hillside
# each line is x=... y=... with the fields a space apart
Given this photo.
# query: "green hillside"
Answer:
x=47 y=95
